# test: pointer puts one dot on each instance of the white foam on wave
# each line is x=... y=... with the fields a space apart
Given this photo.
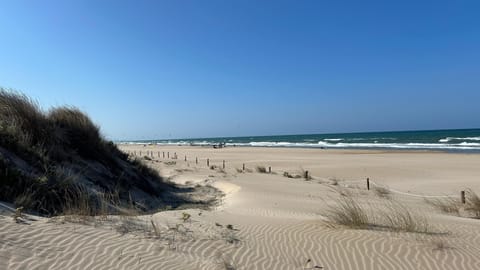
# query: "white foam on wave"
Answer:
x=324 y=144
x=448 y=139
x=333 y=140
x=329 y=143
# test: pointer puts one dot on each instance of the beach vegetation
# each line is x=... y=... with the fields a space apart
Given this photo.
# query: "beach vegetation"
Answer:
x=261 y=169
x=350 y=211
x=472 y=203
x=382 y=192
x=446 y=205
x=56 y=162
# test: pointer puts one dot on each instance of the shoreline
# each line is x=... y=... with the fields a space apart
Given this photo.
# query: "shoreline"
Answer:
x=339 y=149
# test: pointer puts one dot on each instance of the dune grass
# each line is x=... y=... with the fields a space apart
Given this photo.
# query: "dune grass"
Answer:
x=350 y=211
x=382 y=192
x=446 y=205
x=261 y=169
x=472 y=203
x=55 y=160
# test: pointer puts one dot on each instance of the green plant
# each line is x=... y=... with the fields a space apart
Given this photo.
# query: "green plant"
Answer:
x=186 y=216
x=18 y=215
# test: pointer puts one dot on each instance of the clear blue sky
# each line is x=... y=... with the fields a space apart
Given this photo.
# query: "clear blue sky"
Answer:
x=175 y=69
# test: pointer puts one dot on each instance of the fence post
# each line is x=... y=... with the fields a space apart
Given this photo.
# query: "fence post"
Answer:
x=462 y=195
x=208 y=162
x=243 y=166
x=168 y=154
x=185 y=158
x=368 y=183
x=269 y=169
x=196 y=160
x=306 y=174
x=224 y=164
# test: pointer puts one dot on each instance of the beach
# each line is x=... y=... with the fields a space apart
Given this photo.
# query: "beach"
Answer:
x=272 y=214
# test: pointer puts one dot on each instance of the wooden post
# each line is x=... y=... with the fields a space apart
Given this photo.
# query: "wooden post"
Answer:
x=368 y=183
x=462 y=196
x=306 y=175
x=168 y=154
x=224 y=164
x=269 y=169
x=208 y=162
x=243 y=166
x=185 y=158
x=196 y=160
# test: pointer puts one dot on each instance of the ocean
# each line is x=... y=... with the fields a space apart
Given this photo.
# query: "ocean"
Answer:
x=464 y=140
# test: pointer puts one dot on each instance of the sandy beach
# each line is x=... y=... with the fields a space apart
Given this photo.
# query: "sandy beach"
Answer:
x=267 y=220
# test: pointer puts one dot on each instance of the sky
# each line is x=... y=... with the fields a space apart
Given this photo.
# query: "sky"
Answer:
x=193 y=69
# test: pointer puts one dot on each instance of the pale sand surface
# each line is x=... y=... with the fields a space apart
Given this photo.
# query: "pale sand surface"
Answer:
x=278 y=222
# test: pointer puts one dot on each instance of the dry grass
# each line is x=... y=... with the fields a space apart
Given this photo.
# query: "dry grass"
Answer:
x=382 y=192
x=334 y=181
x=472 y=203
x=350 y=211
x=446 y=205
x=289 y=175
x=50 y=155
x=261 y=169
x=398 y=217
x=305 y=174
x=170 y=163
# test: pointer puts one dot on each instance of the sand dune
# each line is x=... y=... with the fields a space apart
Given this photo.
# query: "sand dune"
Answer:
x=276 y=222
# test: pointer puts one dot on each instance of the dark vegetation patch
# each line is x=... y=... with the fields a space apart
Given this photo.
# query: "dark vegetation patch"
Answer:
x=57 y=161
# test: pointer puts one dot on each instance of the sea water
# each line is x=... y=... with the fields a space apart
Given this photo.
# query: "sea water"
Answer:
x=465 y=140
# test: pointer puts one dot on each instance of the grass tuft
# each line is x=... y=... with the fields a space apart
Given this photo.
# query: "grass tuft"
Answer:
x=473 y=203
x=382 y=192
x=350 y=212
x=446 y=205
x=261 y=169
